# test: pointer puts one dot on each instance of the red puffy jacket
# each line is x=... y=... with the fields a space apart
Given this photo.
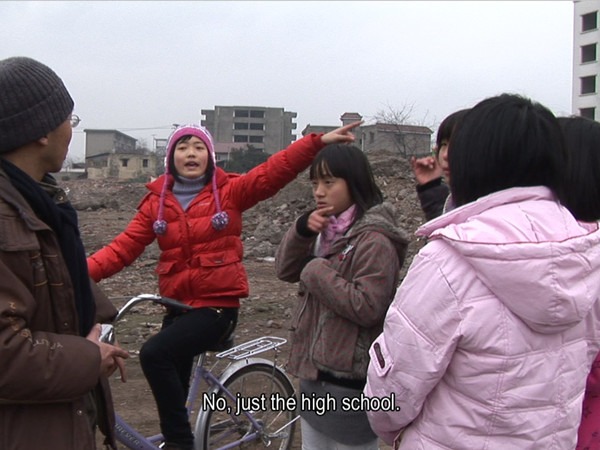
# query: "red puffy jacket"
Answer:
x=199 y=265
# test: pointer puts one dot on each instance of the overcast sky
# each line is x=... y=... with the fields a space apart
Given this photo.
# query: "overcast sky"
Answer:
x=140 y=66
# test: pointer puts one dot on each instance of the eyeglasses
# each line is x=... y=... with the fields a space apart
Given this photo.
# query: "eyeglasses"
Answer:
x=74 y=119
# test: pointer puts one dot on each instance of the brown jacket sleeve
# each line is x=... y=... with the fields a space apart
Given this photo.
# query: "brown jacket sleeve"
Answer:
x=105 y=310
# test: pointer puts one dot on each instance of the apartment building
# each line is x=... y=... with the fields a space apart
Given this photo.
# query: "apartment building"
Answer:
x=586 y=65
x=265 y=128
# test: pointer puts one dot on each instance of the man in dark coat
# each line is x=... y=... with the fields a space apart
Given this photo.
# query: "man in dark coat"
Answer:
x=53 y=382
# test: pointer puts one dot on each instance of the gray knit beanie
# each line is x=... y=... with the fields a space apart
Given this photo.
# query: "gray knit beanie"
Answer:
x=33 y=102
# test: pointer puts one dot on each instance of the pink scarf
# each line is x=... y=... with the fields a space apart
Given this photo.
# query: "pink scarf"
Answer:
x=336 y=229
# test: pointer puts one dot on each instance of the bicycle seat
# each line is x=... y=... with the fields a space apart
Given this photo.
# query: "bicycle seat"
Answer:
x=223 y=345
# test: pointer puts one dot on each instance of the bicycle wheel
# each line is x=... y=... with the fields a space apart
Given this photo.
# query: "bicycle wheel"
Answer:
x=252 y=387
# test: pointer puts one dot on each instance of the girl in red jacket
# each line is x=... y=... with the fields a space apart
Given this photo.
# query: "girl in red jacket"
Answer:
x=195 y=211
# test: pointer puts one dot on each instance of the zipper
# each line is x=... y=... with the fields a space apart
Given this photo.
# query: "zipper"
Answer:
x=348 y=249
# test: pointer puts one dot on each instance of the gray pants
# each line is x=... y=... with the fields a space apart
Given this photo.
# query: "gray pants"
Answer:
x=315 y=440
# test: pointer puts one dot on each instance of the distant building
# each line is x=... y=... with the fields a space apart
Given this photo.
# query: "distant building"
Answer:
x=350 y=117
x=107 y=141
x=405 y=140
x=70 y=172
x=586 y=67
x=112 y=154
x=222 y=151
x=160 y=146
x=346 y=119
x=267 y=129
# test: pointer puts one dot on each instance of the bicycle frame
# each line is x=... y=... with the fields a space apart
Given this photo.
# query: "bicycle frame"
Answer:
x=131 y=438
x=241 y=355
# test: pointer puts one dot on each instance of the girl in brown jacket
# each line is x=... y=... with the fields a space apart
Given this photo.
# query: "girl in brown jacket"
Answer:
x=346 y=254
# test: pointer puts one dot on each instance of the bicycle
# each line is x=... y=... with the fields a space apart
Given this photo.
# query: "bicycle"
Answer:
x=249 y=403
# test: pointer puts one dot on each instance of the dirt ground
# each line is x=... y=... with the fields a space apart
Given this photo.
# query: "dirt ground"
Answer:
x=106 y=207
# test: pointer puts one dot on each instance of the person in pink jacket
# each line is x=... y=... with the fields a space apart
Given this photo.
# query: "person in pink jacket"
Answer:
x=582 y=137
x=492 y=333
x=195 y=212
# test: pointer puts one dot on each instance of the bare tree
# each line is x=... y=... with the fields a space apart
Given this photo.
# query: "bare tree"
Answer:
x=141 y=147
x=400 y=124
x=391 y=115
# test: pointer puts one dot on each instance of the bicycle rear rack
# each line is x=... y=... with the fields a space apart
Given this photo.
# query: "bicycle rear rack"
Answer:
x=251 y=348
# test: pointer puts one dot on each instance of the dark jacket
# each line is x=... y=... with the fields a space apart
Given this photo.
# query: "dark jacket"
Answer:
x=50 y=374
x=433 y=197
x=343 y=297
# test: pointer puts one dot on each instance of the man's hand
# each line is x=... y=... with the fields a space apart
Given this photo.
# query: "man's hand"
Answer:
x=113 y=356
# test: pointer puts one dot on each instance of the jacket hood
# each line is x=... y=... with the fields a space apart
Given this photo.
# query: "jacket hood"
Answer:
x=530 y=253
x=383 y=219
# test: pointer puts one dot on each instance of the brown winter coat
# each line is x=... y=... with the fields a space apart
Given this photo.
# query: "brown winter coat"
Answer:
x=342 y=298
x=49 y=373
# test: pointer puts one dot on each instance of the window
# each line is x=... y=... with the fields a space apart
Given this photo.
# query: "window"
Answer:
x=240 y=126
x=589 y=21
x=145 y=163
x=241 y=113
x=588 y=53
x=588 y=84
x=257 y=126
x=124 y=162
x=256 y=139
x=240 y=138
x=100 y=163
x=588 y=113
x=257 y=114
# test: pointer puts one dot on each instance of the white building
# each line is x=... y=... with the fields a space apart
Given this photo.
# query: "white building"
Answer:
x=586 y=66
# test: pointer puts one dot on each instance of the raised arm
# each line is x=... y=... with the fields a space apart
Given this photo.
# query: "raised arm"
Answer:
x=125 y=248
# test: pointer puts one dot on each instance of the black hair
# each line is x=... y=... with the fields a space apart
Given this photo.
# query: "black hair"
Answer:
x=351 y=164
x=582 y=179
x=210 y=168
x=502 y=142
x=447 y=126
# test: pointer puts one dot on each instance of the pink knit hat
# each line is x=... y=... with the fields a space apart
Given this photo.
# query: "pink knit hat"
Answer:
x=221 y=218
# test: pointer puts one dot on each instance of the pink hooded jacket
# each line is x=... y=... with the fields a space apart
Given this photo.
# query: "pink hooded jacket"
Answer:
x=490 y=337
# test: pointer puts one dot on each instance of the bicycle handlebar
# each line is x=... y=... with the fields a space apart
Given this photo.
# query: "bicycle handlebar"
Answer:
x=165 y=301
x=108 y=334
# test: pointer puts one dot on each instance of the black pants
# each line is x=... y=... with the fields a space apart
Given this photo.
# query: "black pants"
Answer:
x=167 y=360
